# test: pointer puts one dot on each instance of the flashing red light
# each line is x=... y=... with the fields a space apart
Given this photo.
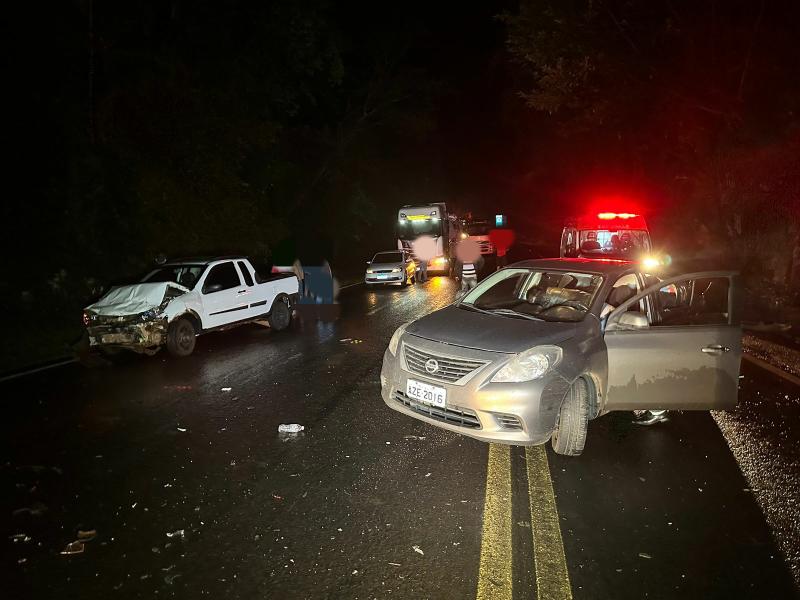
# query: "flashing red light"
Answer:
x=607 y=216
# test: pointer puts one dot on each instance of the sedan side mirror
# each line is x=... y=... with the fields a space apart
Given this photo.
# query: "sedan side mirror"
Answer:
x=630 y=320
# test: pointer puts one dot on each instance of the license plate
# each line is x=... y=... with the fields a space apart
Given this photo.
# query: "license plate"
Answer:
x=383 y=276
x=427 y=394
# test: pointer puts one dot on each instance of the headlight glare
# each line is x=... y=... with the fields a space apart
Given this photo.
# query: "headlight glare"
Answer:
x=529 y=365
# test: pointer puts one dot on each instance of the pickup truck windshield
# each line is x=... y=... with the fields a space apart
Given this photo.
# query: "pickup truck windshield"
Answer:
x=185 y=275
x=558 y=296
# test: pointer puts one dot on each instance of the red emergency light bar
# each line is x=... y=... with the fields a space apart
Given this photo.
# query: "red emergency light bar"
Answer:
x=607 y=216
x=608 y=221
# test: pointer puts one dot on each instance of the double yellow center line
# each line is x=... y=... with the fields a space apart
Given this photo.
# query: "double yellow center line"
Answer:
x=495 y=575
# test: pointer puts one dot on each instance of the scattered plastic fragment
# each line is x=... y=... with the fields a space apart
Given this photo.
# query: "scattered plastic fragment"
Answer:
x=182 y=429
x=180 y=533
x=37 y=509
x=277 y=498
x=22 y=561
x=226 y=389
x=87 y=536
x=418 y=550
x=170 y=578
x=20 y=537
x=345 y=339
x=75 y=547
x=414 y=437
x=427 y=474
x=395 y=564
x=644 y=555
x=290 y=428
x=355 y=572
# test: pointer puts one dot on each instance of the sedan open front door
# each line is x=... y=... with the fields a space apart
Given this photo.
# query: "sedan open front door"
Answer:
x=684 y=353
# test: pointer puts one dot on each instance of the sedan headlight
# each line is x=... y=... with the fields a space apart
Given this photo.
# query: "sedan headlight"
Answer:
x=396 y=270
x=395 y=341
x=370 y=271
x=528 y=365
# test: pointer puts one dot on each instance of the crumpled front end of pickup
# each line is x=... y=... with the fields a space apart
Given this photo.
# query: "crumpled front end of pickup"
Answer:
x=132 y=317
x=130 y=332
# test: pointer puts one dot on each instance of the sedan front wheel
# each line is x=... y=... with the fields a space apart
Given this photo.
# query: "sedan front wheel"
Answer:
x=569 y=437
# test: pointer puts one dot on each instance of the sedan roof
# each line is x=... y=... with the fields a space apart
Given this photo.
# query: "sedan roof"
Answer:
x=602 y=266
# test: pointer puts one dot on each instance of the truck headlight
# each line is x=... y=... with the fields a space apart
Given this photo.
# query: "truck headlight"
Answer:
x=529 y=365
x=395 y=341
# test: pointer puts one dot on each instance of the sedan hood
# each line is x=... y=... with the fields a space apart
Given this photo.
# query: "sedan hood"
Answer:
x=494 y=333
x=134 y=299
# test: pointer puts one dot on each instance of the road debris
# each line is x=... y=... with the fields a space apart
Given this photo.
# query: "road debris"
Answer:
x=87 y=535
x=169 y=579
x=414 y=437
x=180 y=533
x=37 y=509
x=418 y=550
x=395 y=564
x=73 y=548
x=182 y=429
x=290 y=428
x=20 y=537
x=226 y=389
x=644 y=555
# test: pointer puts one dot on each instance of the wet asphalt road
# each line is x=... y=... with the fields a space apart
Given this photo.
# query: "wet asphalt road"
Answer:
x=153 y=446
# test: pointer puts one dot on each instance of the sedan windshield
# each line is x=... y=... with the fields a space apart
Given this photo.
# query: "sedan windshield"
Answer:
x=388 y=257
x=532 y=294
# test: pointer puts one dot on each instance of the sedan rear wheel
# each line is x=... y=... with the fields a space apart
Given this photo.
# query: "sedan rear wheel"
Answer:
x=569 y=437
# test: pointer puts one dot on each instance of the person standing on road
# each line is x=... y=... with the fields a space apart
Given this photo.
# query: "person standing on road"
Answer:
x=423 y=270
x=469 y=276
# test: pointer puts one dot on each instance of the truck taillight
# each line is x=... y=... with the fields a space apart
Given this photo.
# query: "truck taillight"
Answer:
x=608 y=216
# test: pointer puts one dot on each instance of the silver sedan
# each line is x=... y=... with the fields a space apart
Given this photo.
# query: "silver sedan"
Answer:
x=538 y=349
x=396 y=266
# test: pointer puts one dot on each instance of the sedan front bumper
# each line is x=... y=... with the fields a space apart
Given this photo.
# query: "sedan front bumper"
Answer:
x=508 y=413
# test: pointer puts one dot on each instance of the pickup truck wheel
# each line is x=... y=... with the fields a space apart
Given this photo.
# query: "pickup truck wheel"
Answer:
x=181 y=337
x=569 y=437
x=279 y=317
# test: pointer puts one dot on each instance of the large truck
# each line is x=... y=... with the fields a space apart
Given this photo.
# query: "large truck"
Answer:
x=606 y=235
x=434 y=221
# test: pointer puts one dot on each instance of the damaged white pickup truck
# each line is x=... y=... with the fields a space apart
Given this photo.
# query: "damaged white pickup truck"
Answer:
x=181 y=300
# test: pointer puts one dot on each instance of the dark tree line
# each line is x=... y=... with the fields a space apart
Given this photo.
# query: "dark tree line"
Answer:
x=691 y=104
x=192 y=128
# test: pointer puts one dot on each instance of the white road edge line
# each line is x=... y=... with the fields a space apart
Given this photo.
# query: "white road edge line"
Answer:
x=38 y=369
x=772 y=369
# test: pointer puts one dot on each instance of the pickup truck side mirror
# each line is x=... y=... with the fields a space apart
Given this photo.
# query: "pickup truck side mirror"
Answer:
x=214 y=287
x=629 y=320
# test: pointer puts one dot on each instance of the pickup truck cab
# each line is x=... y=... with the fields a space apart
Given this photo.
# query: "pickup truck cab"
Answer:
x=180 y=300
